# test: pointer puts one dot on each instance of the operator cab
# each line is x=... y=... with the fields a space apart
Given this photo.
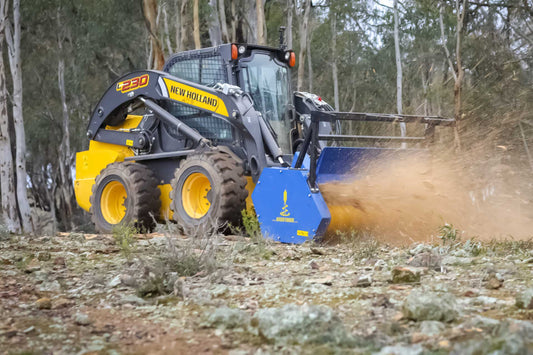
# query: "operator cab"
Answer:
x=262 y=72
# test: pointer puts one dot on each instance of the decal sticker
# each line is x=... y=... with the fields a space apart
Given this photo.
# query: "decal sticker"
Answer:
x=133 y=83
x=129 y=142
x=302 y=233
x=195 y=97
x=285 y=214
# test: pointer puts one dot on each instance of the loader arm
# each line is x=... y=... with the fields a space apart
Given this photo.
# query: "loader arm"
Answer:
x=154 y=89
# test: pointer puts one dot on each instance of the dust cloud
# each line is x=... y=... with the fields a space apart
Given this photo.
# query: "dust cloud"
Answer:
x=405 y=200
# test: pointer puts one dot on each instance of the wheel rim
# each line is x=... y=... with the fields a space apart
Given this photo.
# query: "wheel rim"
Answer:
x=194 y=194
x=112 y=203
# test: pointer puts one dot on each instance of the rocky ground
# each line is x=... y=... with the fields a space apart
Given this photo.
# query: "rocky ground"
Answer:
x=166 y=294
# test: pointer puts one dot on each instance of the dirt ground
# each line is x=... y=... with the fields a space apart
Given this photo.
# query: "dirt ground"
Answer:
x=80 y=294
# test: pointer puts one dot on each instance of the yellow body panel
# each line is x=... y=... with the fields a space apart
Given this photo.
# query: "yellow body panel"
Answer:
x=91 y=162
x=131 y=121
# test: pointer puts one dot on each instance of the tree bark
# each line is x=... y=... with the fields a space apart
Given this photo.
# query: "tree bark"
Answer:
x=7 y=182
x=290 y=9
x=223 y=24
x=334 y=61
x=303 y=43
x=260 y=13
x=196 y=25
x=13 y=45
x=399 y=73
x=150 y=19
x=215 y=32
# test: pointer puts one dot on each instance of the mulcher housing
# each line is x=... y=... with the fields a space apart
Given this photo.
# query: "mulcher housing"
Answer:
x=192 y=143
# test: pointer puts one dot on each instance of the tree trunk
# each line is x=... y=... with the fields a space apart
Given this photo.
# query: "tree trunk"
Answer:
x=399 y=75
x=150 y=19
x=7 y=183
x=13 y=44
x=215 y=32
x=458 y=87
x=443 y=40
x=290 y=9
x=223 y=24
x=196 y=26
x=260 y=13
x=309 y=60
x=65 y=155
x=64 y=150
x=183 y=26
x=166 y=30
x=233 y=21
x=251 y=22
x=303 y=43
x=334 y=61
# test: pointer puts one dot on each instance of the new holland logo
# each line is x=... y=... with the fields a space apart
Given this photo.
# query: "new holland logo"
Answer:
x=285 y=214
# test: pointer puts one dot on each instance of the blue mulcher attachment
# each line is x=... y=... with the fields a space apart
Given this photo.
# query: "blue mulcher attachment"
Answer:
x=288 y=202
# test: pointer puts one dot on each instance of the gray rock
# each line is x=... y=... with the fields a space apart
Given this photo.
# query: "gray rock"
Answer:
x=114 y=282
x=228 y=318
x=293 y=324
x=481 y=322
x=401 y=350
x=425 y=305
x=52 y=286
x=508 y=338
x=402 y=275
x=431 y=327
x=420 y=248
x=456 y=261
x=494 y=281
x=81 y=319
x=364 y=281
x=219 y=290
x=132 y=299
x=426 y=259
x=525 y=299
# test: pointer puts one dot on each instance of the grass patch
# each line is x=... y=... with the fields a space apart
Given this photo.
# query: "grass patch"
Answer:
x=362 y=244
x=176 y=259
x=124 y=236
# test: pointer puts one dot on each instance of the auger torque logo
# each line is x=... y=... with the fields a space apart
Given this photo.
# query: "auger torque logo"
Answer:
x=195 y=97
x=285 y=214
x=133 y=83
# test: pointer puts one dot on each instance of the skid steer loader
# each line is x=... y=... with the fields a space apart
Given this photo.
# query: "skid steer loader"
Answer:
x=217 y=131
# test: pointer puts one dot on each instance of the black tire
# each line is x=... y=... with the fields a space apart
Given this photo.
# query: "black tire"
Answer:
x=141 y=200
x=221 y=178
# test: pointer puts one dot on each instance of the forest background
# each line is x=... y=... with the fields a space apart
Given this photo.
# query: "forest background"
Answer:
x=471 y=60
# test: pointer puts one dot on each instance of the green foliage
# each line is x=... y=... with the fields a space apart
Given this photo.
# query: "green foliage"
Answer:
x=251 y=224
x=447 y=233
x=124 y=236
